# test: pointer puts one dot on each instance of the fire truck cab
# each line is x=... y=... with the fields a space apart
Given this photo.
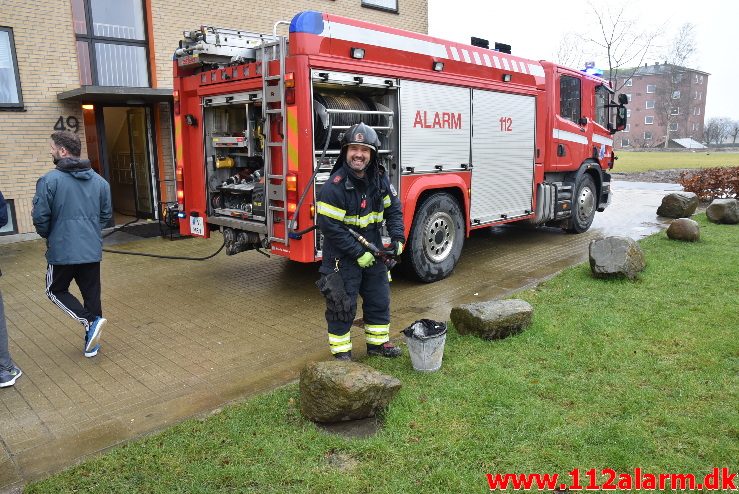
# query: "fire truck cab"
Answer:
x=470 y=137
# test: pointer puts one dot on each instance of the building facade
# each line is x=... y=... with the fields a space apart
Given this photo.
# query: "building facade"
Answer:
x=666 y=102
x=103 y=69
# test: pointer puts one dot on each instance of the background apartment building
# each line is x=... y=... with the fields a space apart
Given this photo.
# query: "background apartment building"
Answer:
x=666 y=102
x=103 y=69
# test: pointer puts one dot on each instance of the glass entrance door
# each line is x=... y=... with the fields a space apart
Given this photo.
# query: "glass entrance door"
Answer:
x=129 y=160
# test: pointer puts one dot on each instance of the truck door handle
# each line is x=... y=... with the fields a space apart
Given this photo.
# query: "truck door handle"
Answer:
x=560 y=150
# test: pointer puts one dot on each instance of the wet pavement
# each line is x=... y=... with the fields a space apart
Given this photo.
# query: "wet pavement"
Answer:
x=184 y=338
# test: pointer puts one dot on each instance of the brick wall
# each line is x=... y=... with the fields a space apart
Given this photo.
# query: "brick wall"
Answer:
x=171 y=18
x=46 y=53
x=44 y=45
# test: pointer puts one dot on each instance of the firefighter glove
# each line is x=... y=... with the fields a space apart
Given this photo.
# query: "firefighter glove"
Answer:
x=338 y=303
x=397 y=247
x=366 y=260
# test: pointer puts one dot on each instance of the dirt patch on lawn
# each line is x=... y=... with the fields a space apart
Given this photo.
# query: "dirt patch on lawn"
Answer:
x=669 y=176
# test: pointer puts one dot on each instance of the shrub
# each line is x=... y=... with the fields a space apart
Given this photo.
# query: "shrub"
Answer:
x=712 y=183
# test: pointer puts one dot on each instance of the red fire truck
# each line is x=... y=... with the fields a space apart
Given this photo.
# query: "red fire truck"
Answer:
x=471 y=137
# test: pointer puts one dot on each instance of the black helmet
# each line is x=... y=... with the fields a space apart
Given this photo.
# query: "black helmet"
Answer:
x=363 y=135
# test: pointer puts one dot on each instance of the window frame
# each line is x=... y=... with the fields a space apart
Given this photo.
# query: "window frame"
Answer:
x=629 y=82
x=12 y=219
x=651 y=122
x=676 y=94
x=675 y=111
x=14 y=61
x=570 y=98
x=671 y=124
x=647 y=136
x=369 y=5
x=627 y=128
x=625 y=142
x=646 y=104
x=653 y=87
x=92 y=39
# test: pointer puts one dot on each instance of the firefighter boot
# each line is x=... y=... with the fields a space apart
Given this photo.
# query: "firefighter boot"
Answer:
x=343 y=356
x=385 y=350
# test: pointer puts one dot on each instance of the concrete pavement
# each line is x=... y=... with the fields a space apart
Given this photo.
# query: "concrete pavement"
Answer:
x=183 y=337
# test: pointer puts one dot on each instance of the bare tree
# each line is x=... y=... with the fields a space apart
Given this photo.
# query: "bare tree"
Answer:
x=716 y=130
x=620 y=40
x=672 y=103
x=734 y=131
x=570 y=51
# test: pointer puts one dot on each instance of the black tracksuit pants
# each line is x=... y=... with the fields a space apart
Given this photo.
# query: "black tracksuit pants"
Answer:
x=87 y=277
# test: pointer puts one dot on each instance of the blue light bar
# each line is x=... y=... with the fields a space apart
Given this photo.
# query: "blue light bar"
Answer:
x=310 y=22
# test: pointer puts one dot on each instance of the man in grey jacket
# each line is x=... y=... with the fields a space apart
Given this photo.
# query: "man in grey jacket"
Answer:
x=9 y=372
x=71 y=207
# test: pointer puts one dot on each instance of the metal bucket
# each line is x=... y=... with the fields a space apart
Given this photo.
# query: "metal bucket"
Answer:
x=426 y=354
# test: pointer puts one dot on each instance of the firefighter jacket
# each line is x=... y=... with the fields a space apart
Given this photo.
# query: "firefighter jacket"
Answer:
x=362 y=204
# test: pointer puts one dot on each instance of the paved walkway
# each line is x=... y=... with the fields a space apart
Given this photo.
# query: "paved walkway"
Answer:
x=184 y=337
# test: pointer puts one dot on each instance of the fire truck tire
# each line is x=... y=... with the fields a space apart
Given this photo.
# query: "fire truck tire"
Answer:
x=584 y=204
x=436 y=238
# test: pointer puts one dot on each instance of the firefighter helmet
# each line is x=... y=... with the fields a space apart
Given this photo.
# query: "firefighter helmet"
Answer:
x=363 y=135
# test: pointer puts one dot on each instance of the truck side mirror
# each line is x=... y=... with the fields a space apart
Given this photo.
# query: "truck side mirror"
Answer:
x=620 y=118
x=622 y=99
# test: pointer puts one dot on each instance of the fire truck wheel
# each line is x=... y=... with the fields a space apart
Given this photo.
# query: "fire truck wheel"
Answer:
x=583 y=205
x=436 y=238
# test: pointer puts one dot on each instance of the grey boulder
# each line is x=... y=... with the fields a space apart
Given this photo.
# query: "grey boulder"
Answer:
x=615 y=257
x=494 y=319
x=343 y=390
x=678 y=205
x=723 y=211
x=684 y=229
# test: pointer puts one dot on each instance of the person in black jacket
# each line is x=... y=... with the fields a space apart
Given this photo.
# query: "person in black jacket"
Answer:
x=9 y=372
x=358 y=195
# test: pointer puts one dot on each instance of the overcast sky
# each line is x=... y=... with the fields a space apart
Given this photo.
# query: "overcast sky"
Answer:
x=534 y=29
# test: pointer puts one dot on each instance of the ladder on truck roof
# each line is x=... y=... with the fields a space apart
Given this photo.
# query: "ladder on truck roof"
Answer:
x=275 y=193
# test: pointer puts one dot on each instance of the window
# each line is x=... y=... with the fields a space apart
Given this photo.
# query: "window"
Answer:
x=695 y=126
x=629 y=83
x=677 y=78
x=112 y=49
x=649 y=104
x=389 y=5
x=625 y=142
x=651 y=88
x=647 y=136
x=672 y=127
x=627 y=128
x=676 y=95
x=698 y=79
x=628 y=97
x=10 y=82
x=675 y=111
x=697 y=110
x=648 y=120
x=569 y=98
x=602 y=95
x=628 y=112
x=11 y=227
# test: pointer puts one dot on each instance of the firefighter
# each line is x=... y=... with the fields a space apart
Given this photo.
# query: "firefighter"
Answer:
x=358 y=195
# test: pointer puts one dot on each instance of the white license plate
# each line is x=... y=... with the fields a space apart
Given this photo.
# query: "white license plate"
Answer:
x=196 y=226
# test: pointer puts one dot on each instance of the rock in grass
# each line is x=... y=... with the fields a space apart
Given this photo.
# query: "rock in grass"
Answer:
x=494 y=319
x=615 y=257
x=723 y=211
x=678 y=205
x=336 y=391
x=684 y=229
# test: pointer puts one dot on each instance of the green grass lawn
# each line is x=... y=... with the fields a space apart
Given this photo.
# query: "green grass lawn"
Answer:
x=612 y=374
x=631 y=161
